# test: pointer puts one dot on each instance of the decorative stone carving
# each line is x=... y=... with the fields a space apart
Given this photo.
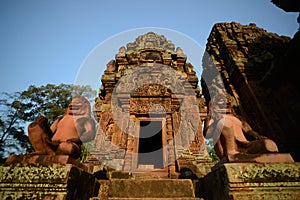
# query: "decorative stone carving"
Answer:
x=251 y=181
x=259 y=172
x=50 y=181
x=66 y=134
x=229 y=132
x=150 y=106
x=151 y=40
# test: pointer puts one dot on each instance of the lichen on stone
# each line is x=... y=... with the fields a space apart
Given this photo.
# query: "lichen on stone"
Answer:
x=32 y=173
x=268 y=172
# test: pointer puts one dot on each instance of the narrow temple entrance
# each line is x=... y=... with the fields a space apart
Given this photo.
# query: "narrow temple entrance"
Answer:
x=150 y=146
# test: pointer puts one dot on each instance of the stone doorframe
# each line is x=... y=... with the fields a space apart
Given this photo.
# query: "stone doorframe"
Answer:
x=136 y=139
x=131 y=157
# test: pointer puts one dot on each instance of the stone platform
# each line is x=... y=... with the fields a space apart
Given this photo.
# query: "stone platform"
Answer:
x=139 y=189
x=34 y=177
x=43 y=160
x=235 y=181
x=113 y=198
x=256 y=158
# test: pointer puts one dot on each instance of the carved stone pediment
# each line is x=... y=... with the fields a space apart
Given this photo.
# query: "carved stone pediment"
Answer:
x=150 y=105
x=152 y=90
x=151 y=56
x=151 y=40
x=152 y=80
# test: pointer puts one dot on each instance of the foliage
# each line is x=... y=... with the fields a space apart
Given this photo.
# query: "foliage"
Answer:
x=12 y=134
x=211 y=151
x=50 y=100
x=20 y=108
x=86 y=150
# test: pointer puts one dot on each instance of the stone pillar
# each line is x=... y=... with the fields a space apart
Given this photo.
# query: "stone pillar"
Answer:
x=130 y=142
x=170 y=144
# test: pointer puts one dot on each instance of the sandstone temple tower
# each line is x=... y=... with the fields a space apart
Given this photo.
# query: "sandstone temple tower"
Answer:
x=149 y=109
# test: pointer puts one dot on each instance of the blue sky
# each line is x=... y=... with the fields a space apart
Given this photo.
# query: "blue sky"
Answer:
x=53 y=41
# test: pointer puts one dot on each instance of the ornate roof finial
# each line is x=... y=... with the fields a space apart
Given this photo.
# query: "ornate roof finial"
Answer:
x=151 y=40
x=122 y=49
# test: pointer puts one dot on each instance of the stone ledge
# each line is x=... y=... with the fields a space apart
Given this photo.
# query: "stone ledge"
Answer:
x=31 y=174
x=183 y=198
x=256 y=158
x=263 y=172
x=43 y=160
x=236 y=181
x=151 y=188
x=55 y=181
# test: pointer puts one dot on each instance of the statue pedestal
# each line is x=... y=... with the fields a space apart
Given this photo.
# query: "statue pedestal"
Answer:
x=235 y=181
x=45 y=177
x=44 y=160
x=256 y=158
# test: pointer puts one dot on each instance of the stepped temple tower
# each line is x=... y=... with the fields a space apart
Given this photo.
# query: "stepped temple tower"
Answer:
x=149 y=108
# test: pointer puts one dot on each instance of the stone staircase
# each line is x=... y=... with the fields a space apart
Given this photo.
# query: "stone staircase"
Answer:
x=146 y=189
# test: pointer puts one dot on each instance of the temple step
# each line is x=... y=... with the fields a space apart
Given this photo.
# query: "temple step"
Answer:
x=155 y=174
x=140 y=188
x=183 y=198
x=178 y=189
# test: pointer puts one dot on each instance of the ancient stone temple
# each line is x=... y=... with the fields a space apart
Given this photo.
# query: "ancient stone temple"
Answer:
x=152 y=118
x=149 y=108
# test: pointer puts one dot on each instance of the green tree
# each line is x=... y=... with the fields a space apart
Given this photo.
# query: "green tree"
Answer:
x=51 y=100
x=18 y=109
x=12 y=135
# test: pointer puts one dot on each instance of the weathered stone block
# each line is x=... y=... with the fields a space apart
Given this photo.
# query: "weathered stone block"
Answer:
x=117 y=198
x=34 y=181
x=154 y=188
x=256 y=158
x=192 y=168
x=235 y=181
x=44 y=160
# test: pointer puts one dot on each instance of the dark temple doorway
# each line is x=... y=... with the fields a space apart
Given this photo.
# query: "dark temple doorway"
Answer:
x=150 y=145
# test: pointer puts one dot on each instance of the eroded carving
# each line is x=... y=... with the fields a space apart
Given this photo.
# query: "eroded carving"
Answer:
x=229 y=132
x=66 y=134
